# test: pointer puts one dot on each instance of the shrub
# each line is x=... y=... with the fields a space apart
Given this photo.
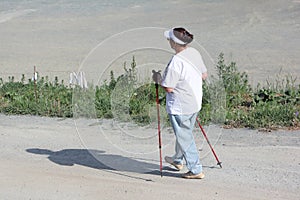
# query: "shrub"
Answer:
x=40 y=98
x=272 y=106
x=228 y=99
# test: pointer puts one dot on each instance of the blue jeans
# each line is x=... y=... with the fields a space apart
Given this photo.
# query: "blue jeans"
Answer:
x=185 y=147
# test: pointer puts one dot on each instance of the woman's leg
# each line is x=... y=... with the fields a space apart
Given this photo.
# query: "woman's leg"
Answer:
x=185 y=146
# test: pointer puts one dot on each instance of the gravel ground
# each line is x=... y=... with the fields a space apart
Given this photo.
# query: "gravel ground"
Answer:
x=51 y=158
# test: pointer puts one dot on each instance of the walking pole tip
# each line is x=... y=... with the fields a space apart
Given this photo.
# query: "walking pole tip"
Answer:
x=220 y=164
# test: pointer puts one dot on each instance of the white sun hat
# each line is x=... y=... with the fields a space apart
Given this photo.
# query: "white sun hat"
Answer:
x=170 y=35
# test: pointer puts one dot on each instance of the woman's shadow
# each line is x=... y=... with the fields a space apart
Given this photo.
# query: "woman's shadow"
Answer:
x=70 y=157
x=98 y=160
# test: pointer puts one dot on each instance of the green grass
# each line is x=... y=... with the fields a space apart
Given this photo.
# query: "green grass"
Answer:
x=273 y=106
x=43 y=98
x=228 y=99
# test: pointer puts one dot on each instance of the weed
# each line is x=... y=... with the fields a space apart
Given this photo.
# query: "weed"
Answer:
x=228 y=99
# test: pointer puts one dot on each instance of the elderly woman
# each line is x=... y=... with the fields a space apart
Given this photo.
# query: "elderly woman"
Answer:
x=182 y=81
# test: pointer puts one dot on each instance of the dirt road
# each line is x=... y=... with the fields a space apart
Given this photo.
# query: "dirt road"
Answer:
x=46 y=158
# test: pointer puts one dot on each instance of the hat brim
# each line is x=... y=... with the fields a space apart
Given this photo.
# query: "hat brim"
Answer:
x=170 y=36
x=167 y=34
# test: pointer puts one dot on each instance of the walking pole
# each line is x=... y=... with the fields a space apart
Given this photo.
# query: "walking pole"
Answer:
x=158 y=129
x=203 y=132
